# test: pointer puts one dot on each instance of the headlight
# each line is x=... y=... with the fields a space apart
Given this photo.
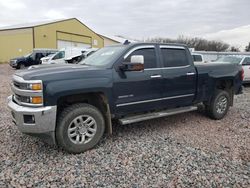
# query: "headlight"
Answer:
x=35 y=86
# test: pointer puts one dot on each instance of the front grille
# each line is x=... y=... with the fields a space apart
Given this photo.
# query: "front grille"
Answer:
x=20 y=98
x=20 y=85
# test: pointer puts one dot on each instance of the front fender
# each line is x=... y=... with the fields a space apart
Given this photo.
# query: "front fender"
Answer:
x=60 y=88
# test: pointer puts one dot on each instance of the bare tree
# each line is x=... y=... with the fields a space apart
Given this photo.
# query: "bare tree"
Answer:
x=247 y=49
x=197 y=43
x=234 y=49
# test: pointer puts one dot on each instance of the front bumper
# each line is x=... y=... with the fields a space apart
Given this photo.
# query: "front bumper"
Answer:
x=13 y=64
x=44 y=120
x=246 y=81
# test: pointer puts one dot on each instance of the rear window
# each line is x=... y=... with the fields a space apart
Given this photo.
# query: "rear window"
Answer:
x=246 y=61
x=197 y=57
x=174 y=57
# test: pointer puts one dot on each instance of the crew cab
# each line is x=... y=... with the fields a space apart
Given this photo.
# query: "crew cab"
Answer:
x=72 y=105
x=32 y=58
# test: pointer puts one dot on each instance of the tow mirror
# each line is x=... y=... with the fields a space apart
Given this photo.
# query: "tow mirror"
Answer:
x=136 y=64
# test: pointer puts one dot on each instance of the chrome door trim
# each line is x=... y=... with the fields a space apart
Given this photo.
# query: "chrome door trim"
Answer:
x=153 y=100
x=163 y=68
x=156 y=76
x=173 y=47
x=137 y=48
x=190 y=73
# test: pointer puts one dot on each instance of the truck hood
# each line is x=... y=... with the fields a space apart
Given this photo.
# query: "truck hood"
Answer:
x=18 y=58
x=60 y=72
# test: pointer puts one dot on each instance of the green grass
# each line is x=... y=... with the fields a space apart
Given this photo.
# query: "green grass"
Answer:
x=3 y=62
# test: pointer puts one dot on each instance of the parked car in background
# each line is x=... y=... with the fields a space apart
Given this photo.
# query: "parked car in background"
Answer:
x=31 y=59
x=46 y=59
x=88 y=52
x=197 y=58
x=241 y=60
x=66 y=55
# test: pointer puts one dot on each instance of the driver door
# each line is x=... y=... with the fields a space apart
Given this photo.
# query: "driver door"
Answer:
x=138 y=91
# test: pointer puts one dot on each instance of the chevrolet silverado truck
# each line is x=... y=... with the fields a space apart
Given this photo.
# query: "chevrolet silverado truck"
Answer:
x=73 y=105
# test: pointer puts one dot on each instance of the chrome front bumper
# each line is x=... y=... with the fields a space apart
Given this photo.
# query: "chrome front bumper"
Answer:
x=44 y=120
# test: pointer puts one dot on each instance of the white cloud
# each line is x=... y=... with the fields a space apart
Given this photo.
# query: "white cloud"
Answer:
x=137 y=19
x=238 y=37
x=12 y=4
x=54 y=14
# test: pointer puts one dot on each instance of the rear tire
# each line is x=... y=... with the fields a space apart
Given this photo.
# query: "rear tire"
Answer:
x=79 y=128
x=219 y=105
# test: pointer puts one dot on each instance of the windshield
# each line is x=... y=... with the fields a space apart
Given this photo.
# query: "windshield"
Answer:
x=28 y=55
x=230 y=59
x=103 y=57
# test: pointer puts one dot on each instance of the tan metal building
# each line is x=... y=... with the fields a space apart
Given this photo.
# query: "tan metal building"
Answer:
x=109 y=41
x=22 y=39
x=113 y=40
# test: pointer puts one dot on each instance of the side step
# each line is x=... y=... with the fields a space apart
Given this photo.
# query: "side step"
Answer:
x=153 y=115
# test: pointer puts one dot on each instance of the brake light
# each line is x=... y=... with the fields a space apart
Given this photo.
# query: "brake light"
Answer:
x=242 y=74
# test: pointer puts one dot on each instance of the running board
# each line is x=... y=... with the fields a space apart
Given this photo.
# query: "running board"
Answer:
x=148 y=116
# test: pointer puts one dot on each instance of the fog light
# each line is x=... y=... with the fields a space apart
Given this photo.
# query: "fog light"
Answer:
x=29 y=119
x=36 y=100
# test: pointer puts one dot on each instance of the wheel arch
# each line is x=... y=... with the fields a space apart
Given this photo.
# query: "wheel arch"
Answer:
x=97 y=99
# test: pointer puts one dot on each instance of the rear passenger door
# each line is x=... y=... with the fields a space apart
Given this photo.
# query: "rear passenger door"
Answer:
x=246 y=67
x=179 y=76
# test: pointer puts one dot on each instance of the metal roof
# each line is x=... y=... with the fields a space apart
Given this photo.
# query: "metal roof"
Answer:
x=118 y=39
x=33 y=24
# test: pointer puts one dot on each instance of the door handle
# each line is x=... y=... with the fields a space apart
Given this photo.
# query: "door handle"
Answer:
x=156 y=76
x=190 y=73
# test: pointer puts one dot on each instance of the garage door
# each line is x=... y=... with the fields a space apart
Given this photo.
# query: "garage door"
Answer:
x=72 y=44
x=72 y=40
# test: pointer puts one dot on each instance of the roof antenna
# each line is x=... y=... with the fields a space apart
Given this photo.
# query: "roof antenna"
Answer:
x=126 y=42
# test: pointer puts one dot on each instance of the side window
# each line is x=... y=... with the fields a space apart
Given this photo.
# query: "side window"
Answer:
x=197 y=57
x=149 y=57
x=174 y=57
x=246 y=61
x=39 y=56
x=59 y=55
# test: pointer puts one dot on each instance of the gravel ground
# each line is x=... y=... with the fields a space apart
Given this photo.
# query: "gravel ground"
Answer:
x=187 y=150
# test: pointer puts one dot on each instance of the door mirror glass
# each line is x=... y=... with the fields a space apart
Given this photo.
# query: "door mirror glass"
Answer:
x=136 y=64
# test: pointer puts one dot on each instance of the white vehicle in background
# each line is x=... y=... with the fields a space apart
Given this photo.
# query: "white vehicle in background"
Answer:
x=65 y=55
x=45 y=59
x=197 y=58
x=241 y=60
x=89 y=51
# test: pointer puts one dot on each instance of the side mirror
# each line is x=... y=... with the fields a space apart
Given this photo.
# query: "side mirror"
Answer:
x=136 y=64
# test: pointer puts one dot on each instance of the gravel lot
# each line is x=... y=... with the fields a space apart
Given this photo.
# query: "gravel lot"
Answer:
x=187 y=150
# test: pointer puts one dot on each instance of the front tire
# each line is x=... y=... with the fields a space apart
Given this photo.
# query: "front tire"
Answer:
x=21 y=66
x=219 y=105
x=79 y=128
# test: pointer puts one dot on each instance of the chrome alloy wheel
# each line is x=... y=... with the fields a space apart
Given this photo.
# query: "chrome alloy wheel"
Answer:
x=221 y=104
x=82 y=129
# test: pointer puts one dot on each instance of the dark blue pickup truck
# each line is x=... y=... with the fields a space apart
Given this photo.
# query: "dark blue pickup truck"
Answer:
x=73 y=105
